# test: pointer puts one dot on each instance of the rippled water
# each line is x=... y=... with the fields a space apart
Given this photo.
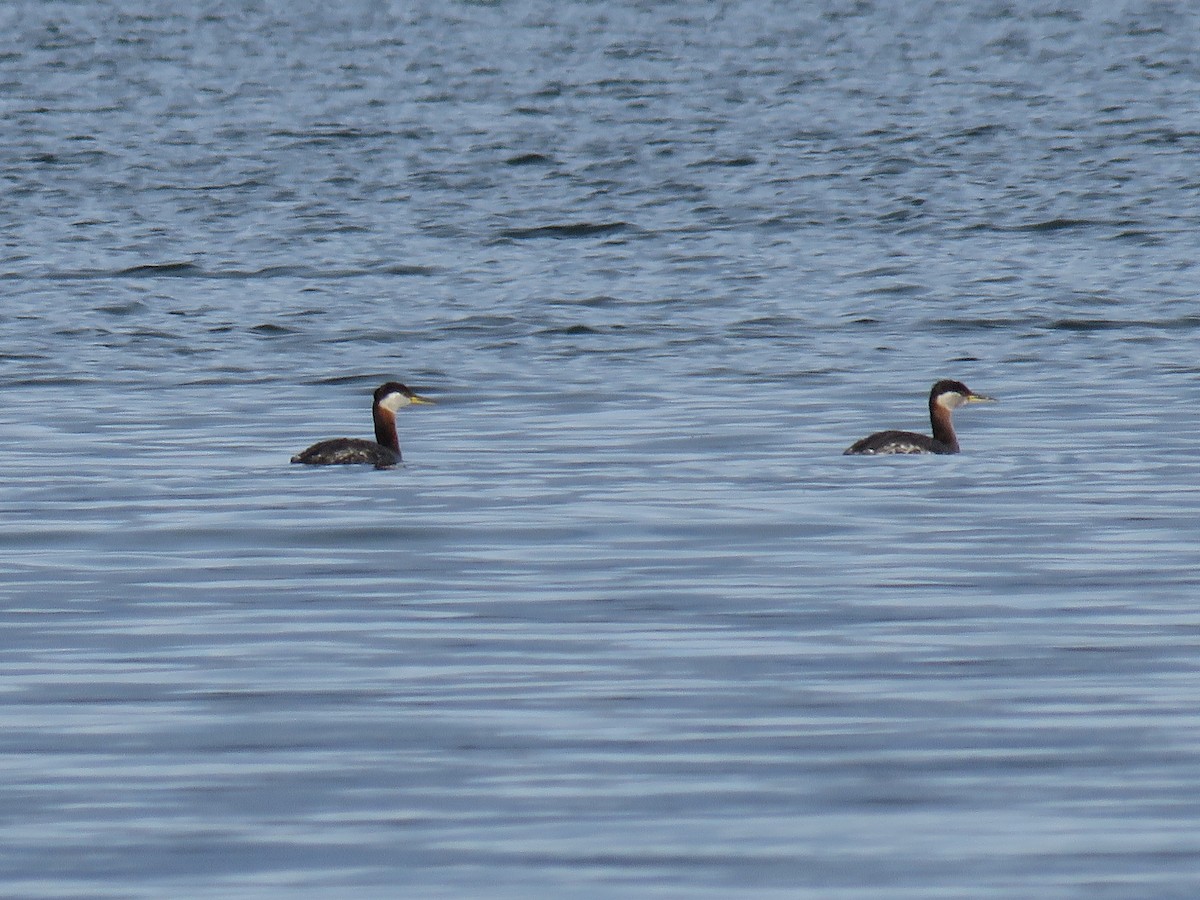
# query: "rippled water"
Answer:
x=627 y=623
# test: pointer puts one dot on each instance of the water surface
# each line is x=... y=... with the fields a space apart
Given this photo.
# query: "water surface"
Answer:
x=627 y=623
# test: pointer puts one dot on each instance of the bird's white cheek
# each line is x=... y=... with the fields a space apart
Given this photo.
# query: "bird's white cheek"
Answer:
x=393 y=402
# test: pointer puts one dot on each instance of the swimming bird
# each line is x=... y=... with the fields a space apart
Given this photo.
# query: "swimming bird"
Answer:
x=945 y=397
x=382 y=452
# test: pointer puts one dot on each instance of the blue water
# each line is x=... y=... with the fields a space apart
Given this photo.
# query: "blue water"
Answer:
x=627 y=623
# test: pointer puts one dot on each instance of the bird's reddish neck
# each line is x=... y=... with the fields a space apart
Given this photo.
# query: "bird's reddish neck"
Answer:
x=943 y=427
x=385 y=427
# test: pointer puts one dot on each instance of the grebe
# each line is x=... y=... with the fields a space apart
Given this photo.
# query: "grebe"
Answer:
x=945 y=397
x=382 y=452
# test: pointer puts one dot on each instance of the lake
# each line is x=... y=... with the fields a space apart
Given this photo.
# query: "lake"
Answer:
x=626 y=623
